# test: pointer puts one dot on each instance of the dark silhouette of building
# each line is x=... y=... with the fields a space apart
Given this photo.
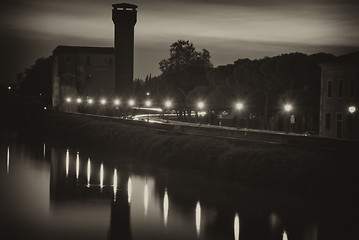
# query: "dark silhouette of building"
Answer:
x=124 y=16
x=339 y=102
x=80 y=72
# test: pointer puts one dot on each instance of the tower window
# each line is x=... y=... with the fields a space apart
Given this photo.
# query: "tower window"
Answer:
x=340 y=88
x=330 y=88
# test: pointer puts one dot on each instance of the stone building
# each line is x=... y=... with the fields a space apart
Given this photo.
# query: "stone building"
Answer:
x=80 y=72
x=340 y=97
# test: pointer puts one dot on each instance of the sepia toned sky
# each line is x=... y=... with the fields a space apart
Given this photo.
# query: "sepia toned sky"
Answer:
x=228 y=29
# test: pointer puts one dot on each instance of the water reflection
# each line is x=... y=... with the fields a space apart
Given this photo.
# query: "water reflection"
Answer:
x=198 y=218
x=88 y=172
x=145 y=198
x=114 y=184
x=101 y=176
x=44 y=150
x=129 y=189
x=236 y=227
x=67 y=162
x=126 y=196
x=165 y=207
x=285 y=237
x=8 y=159
x=77 y=165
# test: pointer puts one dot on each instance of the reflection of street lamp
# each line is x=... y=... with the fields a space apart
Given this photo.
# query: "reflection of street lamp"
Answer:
x=148 y=104
x=200 y=106
x=287 y=109
x=168 y=105
x=239 y=107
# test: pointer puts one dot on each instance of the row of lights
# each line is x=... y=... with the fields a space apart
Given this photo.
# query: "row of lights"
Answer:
x=168 y=103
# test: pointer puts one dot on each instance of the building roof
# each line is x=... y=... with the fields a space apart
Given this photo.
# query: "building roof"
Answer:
x=351 y=59
x=81 y=49
x=124 y=5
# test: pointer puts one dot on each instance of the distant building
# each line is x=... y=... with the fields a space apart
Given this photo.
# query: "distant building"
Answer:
x=81 y=72
x=339 y=103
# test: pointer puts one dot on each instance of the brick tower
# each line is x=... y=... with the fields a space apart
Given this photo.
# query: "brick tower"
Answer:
x=124 y=16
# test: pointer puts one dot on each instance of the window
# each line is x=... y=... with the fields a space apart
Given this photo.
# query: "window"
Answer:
x=88 y=61
x=330 y=88
x=327 y=121
x=340 y=88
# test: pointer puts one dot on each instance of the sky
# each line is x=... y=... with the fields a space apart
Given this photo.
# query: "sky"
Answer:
x=228 y=29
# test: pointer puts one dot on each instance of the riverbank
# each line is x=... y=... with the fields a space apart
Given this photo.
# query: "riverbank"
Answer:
x=285 y=168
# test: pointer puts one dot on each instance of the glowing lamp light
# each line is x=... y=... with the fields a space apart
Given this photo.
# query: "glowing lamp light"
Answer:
x=131 y=102
x=288 y=107
x=103 y=101
x=239 y=106
x=90 y=101
x=116 y=102
x=148 y=103
x=168 y=104
x=352 y=109
x=9 y=88
x=68 y=99
x=79 y=100
x=200 y=105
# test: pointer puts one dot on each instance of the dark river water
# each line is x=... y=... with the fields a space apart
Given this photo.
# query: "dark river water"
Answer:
x=54 y=192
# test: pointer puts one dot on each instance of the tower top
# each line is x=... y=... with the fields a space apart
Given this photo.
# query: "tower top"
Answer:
x=124 y=6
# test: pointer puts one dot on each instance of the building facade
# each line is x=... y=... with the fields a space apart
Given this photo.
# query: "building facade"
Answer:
x=340 y=97
x=81 y=72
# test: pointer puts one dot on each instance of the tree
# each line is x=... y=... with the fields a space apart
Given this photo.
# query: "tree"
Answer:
x=36 y=80
x=184 y=70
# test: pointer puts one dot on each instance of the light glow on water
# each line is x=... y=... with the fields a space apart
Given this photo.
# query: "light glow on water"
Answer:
x=198 y=218
x=146 y=198
x=236 y=227
x=88 y=172
x=8 y=160
x=67 y=162
x=114 y=184
x=77 y=165
x=165 y=208
x=129 y=189
x=285 y=237
x=101 y=176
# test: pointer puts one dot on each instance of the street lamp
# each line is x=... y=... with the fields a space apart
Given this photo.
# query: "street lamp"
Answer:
x=200 y=106
x=351 y=110
x=239 y=107
x=103 y=101
x=89 y=101
x=68 y=101
x=287 y=108
x=117 y=102
x=148 y=104
x=168 y=105
x=79 y=100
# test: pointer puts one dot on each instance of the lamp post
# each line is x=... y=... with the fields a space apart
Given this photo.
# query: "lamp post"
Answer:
x=287 y=109
x=117 y=103
x=239 y=107
x=168 y=105
x=148 y=104
x=131 y=103
x=200 y=106
x=68 y=101
x=352 y=110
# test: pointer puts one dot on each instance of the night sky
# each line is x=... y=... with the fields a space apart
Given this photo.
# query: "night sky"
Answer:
x=229 y=29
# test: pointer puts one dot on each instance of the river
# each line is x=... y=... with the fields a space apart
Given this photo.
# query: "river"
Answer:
x=60 y=192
